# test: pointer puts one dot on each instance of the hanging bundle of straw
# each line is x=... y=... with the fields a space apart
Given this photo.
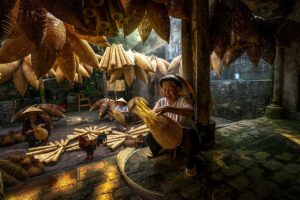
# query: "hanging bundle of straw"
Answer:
x=165 y=131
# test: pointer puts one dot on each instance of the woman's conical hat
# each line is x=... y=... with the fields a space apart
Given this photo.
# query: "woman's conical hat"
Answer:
x=31 y=110
x=121 y=100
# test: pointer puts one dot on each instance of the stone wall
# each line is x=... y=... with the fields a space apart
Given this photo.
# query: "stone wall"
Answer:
x=237 y=99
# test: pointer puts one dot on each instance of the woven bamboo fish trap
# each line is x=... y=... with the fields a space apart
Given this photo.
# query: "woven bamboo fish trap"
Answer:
x=165 y=131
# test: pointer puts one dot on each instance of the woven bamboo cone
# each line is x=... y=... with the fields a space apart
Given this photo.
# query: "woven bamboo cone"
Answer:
x=56 y=33
x=89 y=69
x=216 y=63
x=20 y=81
x=66 y=63
x=166 y=63
x=141 y=74
x=115 y=10
x=52 y=73
x=154 y=64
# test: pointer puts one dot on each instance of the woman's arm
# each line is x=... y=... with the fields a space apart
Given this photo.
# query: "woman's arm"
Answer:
x=184 y=111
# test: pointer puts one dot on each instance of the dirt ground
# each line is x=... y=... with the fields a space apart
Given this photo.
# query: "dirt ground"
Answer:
x=62 y=128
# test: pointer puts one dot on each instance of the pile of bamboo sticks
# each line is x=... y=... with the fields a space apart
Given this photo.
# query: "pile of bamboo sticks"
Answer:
x=116 y=138
x=51 y=153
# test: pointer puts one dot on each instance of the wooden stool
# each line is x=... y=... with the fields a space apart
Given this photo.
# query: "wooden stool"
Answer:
x=83 y=101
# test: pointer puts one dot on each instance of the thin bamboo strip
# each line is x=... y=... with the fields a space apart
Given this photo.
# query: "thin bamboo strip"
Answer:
x=76 y=148
x=71 y=145
x=128 y=60
x=140 y=132
x=116 y=145
x=79 y=130
x=118 y=58
x=41 y=151
x=137 y=128
x=112 y=136
x=56 y=157
x=48 y=155
x=107 y=58
x=113 y=60
x=39 y=148
x=118 y=133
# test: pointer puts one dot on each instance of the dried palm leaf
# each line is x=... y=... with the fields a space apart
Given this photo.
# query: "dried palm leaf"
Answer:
x=135 y=10
x=52 y=73
x=7 y=10
x=158 y=17
x=178 y=9
x=219 y=28
x=7 y=70
x=9 y=52
x=144 y=29
x=115 y=75
x=65 y=10
x=142 y=62
x=216 y=63
x=29 y=74
x=129 y=75
x=59 y=75
x=95 y=40
x=83 y=50
x=175 y=63
x=231 y=55
x=254 y=54
x=32 y=21
x=43 y=60
x=268 y=49
x=66 y=63
x=20 y=81
x=56 y=33
x=161 y=66
x=141 y=74
x=88 y=69
x=83 y=71
x=243 y=22
x=153 y=63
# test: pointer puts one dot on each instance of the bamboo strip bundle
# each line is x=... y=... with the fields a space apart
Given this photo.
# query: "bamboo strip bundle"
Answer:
x=41 y=151
x=44 y=157
x=130 y=61
x=57 y=155
x=116 y=145
x=144 y=126
x=40 y=148
x=106 y=59
x=122 y=57
x=122 y=158
x=118 y=58
x=165 y=131
x=112 y=61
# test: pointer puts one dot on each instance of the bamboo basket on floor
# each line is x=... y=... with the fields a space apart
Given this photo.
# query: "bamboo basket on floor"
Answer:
x=165 y=131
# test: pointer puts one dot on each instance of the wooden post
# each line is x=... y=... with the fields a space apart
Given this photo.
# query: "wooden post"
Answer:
x=201 y=59
x=42 y=90
x=186 y=46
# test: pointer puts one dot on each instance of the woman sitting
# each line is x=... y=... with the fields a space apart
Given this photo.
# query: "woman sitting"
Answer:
x=32 y=121
x=180 y=109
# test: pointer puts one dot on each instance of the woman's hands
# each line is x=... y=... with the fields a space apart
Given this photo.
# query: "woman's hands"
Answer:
x=162 y=110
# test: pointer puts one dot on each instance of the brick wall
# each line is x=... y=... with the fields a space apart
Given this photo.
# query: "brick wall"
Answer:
x=238 y=99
